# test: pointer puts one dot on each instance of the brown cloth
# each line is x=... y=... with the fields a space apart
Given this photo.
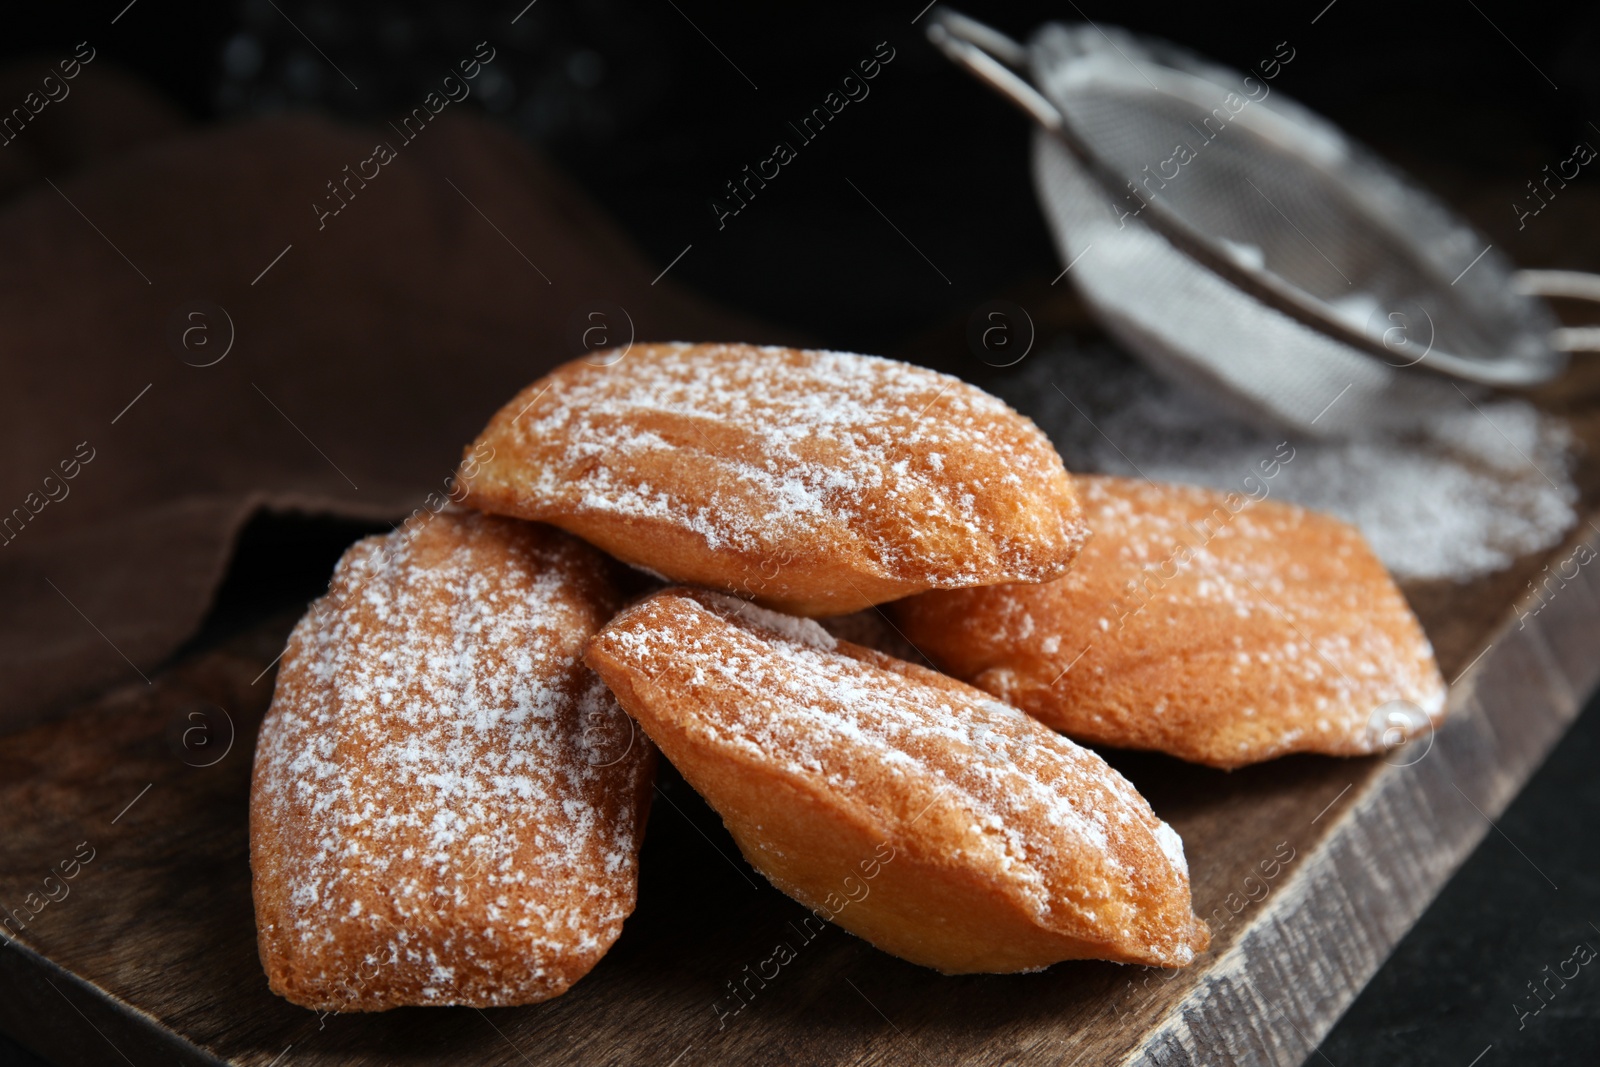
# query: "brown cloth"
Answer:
x=362 y=358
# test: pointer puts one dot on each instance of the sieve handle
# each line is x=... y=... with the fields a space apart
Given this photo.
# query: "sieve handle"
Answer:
x=970 y=44
x=1565 y=285
x=1013 y=54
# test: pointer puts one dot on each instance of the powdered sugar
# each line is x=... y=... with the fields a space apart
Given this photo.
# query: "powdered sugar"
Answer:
x=1172 y=846
x=1464 y=493
x=758 y=450
x=436 y=748
x=791 y=628
x=1205 y=624
x=1026 y=801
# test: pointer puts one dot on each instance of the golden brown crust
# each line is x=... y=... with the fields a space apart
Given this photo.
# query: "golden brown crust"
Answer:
x=447 y=805
x=1202 y=624
x=913 y=810
x=815 y=482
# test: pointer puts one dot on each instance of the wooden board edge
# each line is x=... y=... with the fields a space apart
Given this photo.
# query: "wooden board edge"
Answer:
x=112 y=1031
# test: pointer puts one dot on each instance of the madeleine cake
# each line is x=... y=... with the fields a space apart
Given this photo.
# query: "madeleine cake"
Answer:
x=815 y=482
x=917 y=812
x=447 y=805
x=1207 y=625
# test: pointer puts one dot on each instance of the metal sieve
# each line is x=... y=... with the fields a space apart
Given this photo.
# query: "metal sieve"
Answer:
x=1245 y=246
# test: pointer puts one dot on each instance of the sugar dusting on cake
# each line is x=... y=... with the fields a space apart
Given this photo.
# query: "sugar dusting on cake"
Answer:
x=821 y=714
x=436 y=748
x=792 y=628
x=1334 y=675
x=1279 y=628
x=786 y=444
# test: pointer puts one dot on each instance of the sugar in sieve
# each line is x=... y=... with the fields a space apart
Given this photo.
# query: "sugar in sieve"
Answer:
x=1245 y=246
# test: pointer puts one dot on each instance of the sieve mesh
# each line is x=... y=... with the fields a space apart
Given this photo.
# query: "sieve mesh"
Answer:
x=1283 y=191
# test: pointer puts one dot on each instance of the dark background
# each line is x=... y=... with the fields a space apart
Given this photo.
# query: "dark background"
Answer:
x=652 y=105
x=652 y=118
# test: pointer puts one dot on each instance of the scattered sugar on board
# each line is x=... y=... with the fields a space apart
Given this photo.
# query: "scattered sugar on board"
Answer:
x=1464 y=494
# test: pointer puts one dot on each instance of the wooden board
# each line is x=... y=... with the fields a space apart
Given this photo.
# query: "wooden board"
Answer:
x=1310 y=870
x=150 y=955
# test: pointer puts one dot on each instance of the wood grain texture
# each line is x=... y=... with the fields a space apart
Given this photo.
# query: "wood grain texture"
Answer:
x=150 y=957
